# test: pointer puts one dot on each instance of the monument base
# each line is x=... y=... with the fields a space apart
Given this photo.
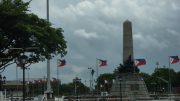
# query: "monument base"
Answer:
x=49 y=95
x=131 y=86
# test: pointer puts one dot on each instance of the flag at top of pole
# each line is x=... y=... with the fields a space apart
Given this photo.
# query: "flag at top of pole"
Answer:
x=19 y=64
x=139 y=62
x=102 y=63
x=61 y=63
x=174 y=59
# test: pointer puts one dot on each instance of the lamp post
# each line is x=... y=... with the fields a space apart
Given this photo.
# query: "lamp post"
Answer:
x=28 y=90
x=76 y=80
x=2 y=81
x=21 y=61
x=91 y=78
x=101 y=89
x=120 y=91
x=92 y=73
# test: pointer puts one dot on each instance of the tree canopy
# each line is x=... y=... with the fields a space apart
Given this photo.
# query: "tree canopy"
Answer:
x=21 y=30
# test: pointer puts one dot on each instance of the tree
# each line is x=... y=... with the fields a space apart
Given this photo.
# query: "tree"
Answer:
x=69 y=89
x=19 y=28
x=161 y=77
x=106 y=80
x=177 y=80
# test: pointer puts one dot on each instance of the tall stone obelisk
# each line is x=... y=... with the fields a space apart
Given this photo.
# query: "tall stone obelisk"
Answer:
x=127 y=41
x=128 y=83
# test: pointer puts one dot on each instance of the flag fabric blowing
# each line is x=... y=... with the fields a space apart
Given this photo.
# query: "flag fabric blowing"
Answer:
x=61 y=63
x=139 y=62
x=102 y=63
x=174 y=59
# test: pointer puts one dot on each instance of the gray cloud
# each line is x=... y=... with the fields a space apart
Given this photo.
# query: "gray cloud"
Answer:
x=93 y=29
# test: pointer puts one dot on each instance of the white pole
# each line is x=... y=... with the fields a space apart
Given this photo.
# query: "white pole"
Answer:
x=17 y=81
x=97 y=71
x=169 y=77
x=28 y=81
x=58 y=81
x=5 y=94
x=48 y=60
x=28 y=74
x=90 y=82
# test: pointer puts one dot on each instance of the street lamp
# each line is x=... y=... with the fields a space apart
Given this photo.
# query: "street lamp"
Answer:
x=2 y=81
x=21 y=61
x=76 y=80
x=91 y=78
x=28 y=83
x=120 y=92
x=101 y=90
x=92 y=73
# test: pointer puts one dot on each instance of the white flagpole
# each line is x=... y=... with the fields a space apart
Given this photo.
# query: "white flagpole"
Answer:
x=17 y=80
x=169 y=76
x=97 y=68
x=49 y=90
x=57 y=80
x=97 y=71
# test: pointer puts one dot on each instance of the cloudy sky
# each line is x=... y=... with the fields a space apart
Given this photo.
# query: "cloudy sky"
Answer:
x=93 y=29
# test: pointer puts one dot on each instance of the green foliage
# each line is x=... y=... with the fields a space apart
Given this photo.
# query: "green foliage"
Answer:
x=147 y=78
x=177 y=79
x=69 y=89
x=159 y=79
x=101 y=81
x=164 y=73
x=21 y=29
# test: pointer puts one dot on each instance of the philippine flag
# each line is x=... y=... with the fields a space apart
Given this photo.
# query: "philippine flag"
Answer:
x=61 y=63
x=174 y=59
x=139 y=62
x=102 y=63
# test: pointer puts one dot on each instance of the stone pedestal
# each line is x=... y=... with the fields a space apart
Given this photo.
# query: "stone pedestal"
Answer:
x=49 y=96
x=130 y=85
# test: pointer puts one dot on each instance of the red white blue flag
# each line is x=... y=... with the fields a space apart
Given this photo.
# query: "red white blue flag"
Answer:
x=19 y=64
x=102 y=63
x=174 y=59
x=61 y=63
x=139 y=62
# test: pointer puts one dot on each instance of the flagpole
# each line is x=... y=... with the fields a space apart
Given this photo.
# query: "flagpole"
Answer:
x=49 y=90
x=169 y=77
x=134 y=66
x=97 y=70
x=17 y=80
x=57 y=80
x=90 y=79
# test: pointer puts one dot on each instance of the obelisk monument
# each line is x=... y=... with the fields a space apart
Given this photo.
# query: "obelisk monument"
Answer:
x=128 y=83
x=127 y=41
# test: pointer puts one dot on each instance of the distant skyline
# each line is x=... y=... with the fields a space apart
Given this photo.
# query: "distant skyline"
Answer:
x=93 y=29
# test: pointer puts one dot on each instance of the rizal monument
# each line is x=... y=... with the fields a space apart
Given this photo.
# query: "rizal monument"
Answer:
x=128 y=83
